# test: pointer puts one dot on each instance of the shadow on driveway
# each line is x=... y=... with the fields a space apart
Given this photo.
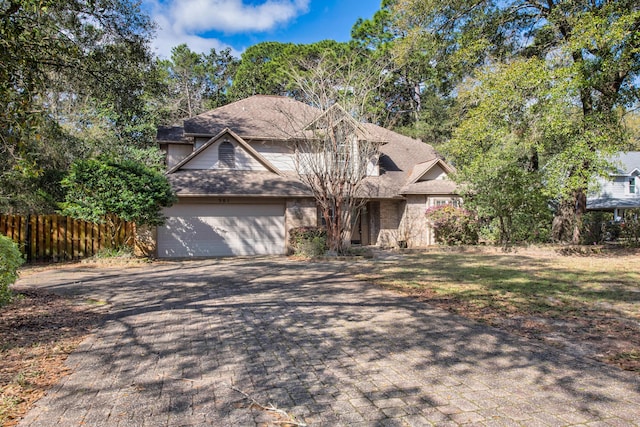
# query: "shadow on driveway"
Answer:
x=181 y=338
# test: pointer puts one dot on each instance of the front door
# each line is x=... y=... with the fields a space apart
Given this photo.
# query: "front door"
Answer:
x=360 y=228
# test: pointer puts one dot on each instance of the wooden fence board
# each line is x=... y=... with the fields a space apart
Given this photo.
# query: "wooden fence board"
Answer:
x=32 y=238
x=46 y=224
x=47 y=238
x=24 y=223
x=69 y=238
x=95 y=241
x=54 y=237
x=40 y=237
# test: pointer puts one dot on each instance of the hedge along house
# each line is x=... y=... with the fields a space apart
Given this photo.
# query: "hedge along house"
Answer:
x=235 y=172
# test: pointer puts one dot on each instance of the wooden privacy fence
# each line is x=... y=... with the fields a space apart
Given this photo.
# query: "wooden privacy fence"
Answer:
x=45 y=238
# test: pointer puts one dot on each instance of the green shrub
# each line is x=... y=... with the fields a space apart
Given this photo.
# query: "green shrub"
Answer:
x=452 y=225
x=630 y=228
x=117 y=252
x=10 y=260
x=598 y=227
x=308 y=241
x=519 y=228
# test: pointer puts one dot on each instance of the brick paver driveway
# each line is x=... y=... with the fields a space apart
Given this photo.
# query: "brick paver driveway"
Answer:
x=182 y=340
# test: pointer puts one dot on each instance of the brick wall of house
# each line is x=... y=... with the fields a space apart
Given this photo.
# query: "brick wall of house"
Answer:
x=414 y=228
x=299 y=213
x=389 y=222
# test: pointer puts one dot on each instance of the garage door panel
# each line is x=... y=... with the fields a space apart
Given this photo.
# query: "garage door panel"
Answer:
x=222 y=230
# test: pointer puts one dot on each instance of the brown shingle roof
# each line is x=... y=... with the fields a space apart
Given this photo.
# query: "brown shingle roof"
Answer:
x=172 y=134
x=398 y=156
x=413 y=186
x=276 y=117
x=438 y=186
x=256 y=117
x=235 y=183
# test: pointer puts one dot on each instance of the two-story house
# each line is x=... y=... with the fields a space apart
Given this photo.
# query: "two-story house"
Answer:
x=622 y=190
x=234 y=171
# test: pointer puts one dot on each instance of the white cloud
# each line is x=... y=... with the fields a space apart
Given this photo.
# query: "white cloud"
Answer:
x=234 y=16
x=167 y=38
x=182 y=21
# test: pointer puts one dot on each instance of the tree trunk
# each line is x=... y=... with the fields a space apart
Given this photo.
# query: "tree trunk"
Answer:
x=580 y=198
x=567 y=222
x=114 y=225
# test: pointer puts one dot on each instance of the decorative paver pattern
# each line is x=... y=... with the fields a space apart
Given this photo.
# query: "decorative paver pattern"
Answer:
x=181 y=339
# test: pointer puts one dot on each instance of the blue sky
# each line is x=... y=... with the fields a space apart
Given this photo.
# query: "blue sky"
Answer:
x=239 y=24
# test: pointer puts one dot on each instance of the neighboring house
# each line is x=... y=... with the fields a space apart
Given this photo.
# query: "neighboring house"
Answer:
x=622 y=190
x=234 y=171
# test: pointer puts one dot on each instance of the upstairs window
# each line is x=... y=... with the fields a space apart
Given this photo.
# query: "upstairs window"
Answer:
x=226 y=155
x=632 y=185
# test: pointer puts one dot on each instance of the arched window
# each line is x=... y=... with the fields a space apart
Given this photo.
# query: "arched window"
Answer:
x=226 y=155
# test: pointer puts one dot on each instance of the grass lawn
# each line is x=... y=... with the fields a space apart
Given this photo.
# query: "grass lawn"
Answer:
x=587 y=304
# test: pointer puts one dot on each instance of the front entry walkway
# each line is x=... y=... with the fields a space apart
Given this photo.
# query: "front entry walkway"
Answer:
x=224 y=342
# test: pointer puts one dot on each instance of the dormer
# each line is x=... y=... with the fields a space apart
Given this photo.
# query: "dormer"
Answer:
x=436 y=172
x=433 y=170
x=431 y=177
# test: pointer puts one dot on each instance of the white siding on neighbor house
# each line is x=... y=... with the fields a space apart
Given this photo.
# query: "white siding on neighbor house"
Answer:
x=209 y=230
x=434 y=173
x=208 y=159
x=177 y=152
x=618 y=188
x=280 y=155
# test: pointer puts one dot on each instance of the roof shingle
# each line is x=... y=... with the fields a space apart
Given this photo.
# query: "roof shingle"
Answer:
x=235 y=183
x=256 y=117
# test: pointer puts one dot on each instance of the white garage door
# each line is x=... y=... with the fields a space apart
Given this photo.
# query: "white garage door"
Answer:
x=200 y=230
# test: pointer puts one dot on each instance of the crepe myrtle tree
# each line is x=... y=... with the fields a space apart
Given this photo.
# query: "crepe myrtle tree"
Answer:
x=333 y=159
x=334 y=152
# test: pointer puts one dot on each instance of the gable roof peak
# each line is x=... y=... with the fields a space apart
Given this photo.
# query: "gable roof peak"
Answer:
x=335 y=115
x=223 y=136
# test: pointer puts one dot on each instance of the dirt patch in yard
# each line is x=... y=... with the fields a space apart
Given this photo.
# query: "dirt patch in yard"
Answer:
x=38 y=330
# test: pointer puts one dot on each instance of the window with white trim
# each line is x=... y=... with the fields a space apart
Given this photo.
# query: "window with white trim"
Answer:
x=446 y=201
